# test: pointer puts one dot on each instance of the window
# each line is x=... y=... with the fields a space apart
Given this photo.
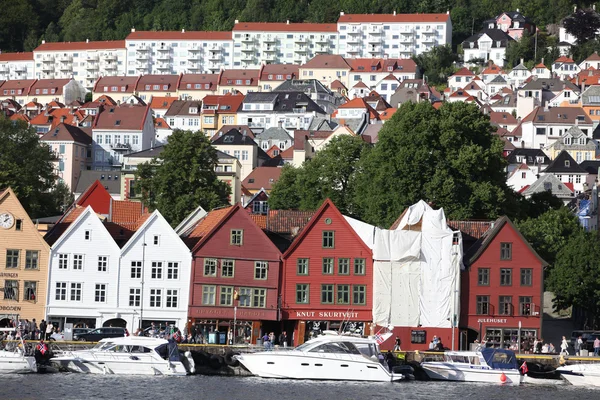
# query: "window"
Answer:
x=505 y=251
x=226 y=298
x=302 y=293
x=100 y=293
x=76 y=291
x=227 y=268
x=102 y=263
x=505 y=277
x=87 y=235
x=483 y=277
x=172 y=298
x=483 y=305
x=155 y=297
x=237 y=237
x=359 y=266
x=11 y=290
x=343 y=294
x=505 y=305
x=526 y=276
x=156 y=240
x=19 y=223
x=343 y=266
x=525 y=306
x=12 y=258
x=259 y=298
x=302 y=266
x=31 y=259
x=61 y=291
x=210 y=267
x=327 y=266
x=328 y=239
x=245 y=297
x=260 y=269
x=327 y=294
x=156 y=271
x=359 y=294
x=30 y=290
x=172 y=270
x=208 y=295
x=136 y=269
x=78 y=262
x=135 y=297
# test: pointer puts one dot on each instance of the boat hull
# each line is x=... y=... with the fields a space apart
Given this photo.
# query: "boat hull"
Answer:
x=581 y=374
x=315 y=366
x=120 y=367
x=17 y=365
x=451 y=372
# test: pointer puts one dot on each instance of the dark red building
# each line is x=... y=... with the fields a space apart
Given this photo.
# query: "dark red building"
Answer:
x=327 y=278
x=501 y=288
x=235 y=275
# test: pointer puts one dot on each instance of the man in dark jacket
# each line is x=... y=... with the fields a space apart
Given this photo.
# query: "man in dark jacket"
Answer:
x=283 y=339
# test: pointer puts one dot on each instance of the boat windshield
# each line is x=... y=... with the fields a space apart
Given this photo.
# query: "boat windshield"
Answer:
x=336 y=347
x=367 y=349
x=499 y=358
x=102 y=346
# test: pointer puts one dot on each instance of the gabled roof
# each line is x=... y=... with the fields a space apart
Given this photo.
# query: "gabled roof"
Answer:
x=284 y=222
x=323 y=61
x=246 y=77
x=158 y=103
x=83 y=46
x=564 y=60
x=492 y=69
x=262 y=177
x=472 y=228
x=475 y=251
x=120 y=84
x=123 y=117
x=229 y=103
x=198 y=82
x=233 y=137
x=16 y=57
x=49 y=84
x=182 y=108
x=549 y=182
x=558 y=115
x=68 y=133
x=464 y=71
x=270 y=72
x=500 y=118
x=148 y=153
x=379 y=65
x=499 y=39
x=243 y=129
x=564 y=164
x=275 y=133
x=171 y=82
x=63 y=223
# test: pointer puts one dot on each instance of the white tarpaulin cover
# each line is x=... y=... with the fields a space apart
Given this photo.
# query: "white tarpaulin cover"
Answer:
x=416 y=269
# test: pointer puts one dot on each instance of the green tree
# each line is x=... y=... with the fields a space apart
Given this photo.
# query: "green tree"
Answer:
x=285 y=193
x=583 y=24
x=522 y=49
x=183 y=177
x=437 y=64
x=448 y=157
x=26 y=166
x=575 y=277
x=550 y=232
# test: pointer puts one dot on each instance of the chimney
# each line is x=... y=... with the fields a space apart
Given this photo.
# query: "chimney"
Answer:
x=522 y=144
x=522 y=61
x=341 y=13
x=183 y=31
x=237 y=21
x=63 y=118
x=287 y=22
x=280 y=123
x=517 y=10
x=576 y=121
x=132 y=30
x=448 y=12
x=394 y=12
x=43 y=42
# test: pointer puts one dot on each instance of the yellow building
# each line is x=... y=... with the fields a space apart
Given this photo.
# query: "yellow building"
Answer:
x=23 y=263
x=218 y=111
x=326 y=68
x=576 y=143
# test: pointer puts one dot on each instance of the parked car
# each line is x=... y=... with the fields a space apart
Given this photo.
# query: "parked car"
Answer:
x=79 y=331
x=102 y=333
x=57 y=336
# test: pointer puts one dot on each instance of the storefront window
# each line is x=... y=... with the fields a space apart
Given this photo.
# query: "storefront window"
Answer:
x=507 y=338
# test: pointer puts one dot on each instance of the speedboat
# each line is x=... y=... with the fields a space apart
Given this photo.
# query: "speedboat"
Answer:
x=581 y=374
x=132 y=355
x=13 y=357
x=327 y=357
x=488 y=365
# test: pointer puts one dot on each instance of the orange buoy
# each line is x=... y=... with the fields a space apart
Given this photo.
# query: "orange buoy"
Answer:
x=503 y=378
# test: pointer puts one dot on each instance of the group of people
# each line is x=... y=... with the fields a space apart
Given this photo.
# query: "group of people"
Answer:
x=29 y=330
x=579 y=345
x=270 y=340
x=436 y=344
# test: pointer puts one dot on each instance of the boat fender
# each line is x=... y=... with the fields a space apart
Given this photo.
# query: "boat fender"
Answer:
x=190 y=362
x=503 y=378
x=230 y=359
x=215 y=362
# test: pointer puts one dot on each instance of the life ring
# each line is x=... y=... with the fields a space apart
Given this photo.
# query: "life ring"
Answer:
x=230 y=360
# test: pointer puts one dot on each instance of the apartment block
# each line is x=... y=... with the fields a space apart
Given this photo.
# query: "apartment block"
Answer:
x=178 y=52
x=284 y=43
x=15 y=66
x=392 y=35
x=83 y=61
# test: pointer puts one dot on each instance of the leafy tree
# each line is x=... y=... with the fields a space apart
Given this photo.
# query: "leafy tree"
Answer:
x=26 y=166
x=583 y=24
x=520 y=49
x=575 y=278
x=330 y=174
x=448 y=157
x=183 y=177
x=550 y=232
x=437 y=64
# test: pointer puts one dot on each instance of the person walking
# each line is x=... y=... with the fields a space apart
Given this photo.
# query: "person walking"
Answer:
x=597 y=346
x=564 y=347
x=43 y=329
x=283 y=341
x=577 y=345
x=397 y=344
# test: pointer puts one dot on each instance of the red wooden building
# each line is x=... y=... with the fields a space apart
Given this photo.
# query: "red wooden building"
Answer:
x=327 y=278
x=235 y=275
x=501 y=288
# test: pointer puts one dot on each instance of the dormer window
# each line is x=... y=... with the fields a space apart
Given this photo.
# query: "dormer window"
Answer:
x=193 y=110
x=567 y=163
x=567 y=140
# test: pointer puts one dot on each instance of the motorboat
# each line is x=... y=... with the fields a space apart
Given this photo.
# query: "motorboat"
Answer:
x=581 y=374
x=487 y=365
x=326 y=357
x=13 y=357
x=132 y=355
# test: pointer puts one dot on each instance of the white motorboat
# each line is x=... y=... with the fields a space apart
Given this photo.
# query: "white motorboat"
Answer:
x=13 y=358
x=132 y=355
x=488 y=366
x=581 y=374
x=327 y=357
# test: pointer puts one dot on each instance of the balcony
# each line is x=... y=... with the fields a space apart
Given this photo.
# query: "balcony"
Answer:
x=247 y=39
x=47 y=67
x=215 y=47
x=163 y=56
x=143 y=48
x=141 y=66
x=322 y=50
x=65 y=67
x=406 y=39
x=269 y=49
x=141 y=55
x=91 y=58
x=353 y=40
x=248 y=49
x=374 y=49
x=301 y=40
x=194 y=57
x=429 y=31
x=213 y=66
x=3 y=68
x=407 y=51
x=375 y=39
x=269 y=56
x=428 y=39
x=120 y=146
x=355 y=31
x=163 y=48
x=301 y=50
x=353 y=50
x=65 y=58
x=195 y=49
x=47 y=75
x=270 y=39
x=110 y=66
x=92 y=66
x=375 y=30
x=47 y=59
x=247 y=57
x=163 y=66
x=322 y=39
x=20 y=68
x=214 y=56
x=91 y=75
x=195 y=66
x=110 y=57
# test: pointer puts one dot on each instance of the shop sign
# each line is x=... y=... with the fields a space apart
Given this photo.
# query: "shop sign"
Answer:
x=9 y=274
x=10 y=308
x=228 y=313
x=330 y=315
x=491 y=321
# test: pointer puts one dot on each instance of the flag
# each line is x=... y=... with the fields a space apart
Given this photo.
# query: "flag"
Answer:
x=524 y=368
x=379 y=339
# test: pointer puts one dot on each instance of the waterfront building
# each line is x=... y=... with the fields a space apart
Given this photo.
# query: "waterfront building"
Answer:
x=23 y=263
x=15 y=66
x=327 y=278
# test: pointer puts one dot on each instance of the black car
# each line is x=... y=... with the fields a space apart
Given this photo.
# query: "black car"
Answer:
x=80 y=331
x=102 y=333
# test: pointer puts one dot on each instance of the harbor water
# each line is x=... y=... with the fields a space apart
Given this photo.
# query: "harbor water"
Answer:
x=79 y=386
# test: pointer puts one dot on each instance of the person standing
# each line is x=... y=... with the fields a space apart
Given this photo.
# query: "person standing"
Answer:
x=577 y=345
x=49 y=330
x=42 y=329
x=597 y=346
x=397 y=344
x=283 y=339
x=564 y=347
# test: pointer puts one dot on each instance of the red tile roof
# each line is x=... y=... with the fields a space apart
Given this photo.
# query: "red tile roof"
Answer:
x=287 y=154
x=160 y=123
x=474 y=229
x=359 y=103
x=333 y=61
x=57 y=116
x=20 y=84
x=247 y=77
x=492 y=70
x=63 y=224
x=209 y=222
x=501 y=118
x=564 y=59
x=284 y=27
x=159 y=103
x=122 y=117
x=464 y=71
x=189 y=82
x=71 y=46
x=337 y=84
x=287 y=222
x=180 y=35
x=125 y=212
x=593 y=57
x=171 y=81
x=398 y=18
x=19 y=117
x=49 y=84
x=232 y=102
x=16 y=56
x=288 y=71
x=262 y=177
x=387 y=114
x=122 y=84
x=382 y=65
